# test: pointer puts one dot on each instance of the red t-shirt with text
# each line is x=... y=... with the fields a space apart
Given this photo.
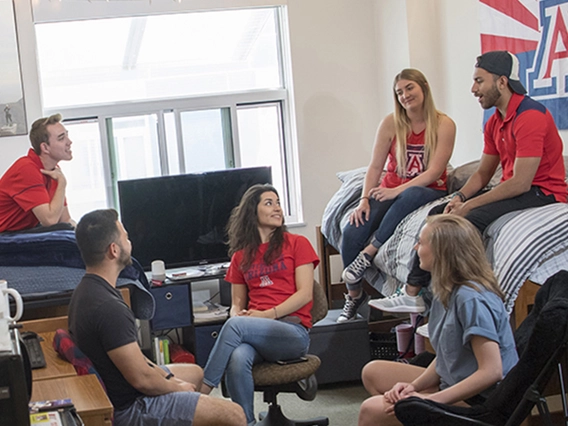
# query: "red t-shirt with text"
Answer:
x=270 y=285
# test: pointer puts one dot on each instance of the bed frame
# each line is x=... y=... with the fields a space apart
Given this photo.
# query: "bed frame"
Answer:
x=334 y=290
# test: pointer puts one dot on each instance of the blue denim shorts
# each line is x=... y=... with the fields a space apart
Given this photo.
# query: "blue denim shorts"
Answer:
x=172 y=409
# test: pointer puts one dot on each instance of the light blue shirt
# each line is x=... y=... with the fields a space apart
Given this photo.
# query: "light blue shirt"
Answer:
x=470 y=313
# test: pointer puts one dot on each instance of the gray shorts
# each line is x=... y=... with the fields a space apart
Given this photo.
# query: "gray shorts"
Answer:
x=172 y=409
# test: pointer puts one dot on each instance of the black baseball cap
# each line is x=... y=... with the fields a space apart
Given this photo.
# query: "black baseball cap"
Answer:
x=501 y=62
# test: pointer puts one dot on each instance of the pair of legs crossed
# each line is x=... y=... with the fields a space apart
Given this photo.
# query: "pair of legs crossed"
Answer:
x=382 y=221
x=378 y=378
x=245 y=341
x=181 y=408
x=481 y=218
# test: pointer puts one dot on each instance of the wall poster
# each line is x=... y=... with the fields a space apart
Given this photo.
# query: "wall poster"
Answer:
x=537 y=32
x=12 y=110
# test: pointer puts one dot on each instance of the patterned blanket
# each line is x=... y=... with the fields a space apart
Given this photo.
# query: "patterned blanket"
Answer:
x=528 y=244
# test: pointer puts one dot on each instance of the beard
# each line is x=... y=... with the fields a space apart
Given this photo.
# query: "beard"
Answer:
x=490 y=99
x=125 y=258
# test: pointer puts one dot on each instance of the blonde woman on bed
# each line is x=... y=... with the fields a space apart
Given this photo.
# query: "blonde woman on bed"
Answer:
x=468 y=327
x=418 y=141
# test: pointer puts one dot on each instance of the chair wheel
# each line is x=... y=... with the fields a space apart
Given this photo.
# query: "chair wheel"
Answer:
x=307 y=388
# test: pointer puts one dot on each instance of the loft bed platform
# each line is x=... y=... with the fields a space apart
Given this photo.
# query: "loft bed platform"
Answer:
x=45 y=268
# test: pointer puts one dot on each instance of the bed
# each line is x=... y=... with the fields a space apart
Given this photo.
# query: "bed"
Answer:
x=531 y=244
x=45 y=267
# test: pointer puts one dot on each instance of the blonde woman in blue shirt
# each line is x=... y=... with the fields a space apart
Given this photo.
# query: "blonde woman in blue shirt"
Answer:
x=468 y=327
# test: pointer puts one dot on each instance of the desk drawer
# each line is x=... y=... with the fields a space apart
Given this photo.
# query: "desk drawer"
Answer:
x=173 y=307
x=205 y=338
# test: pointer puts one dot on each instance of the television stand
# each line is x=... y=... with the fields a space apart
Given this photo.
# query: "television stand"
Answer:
x=193 y=273
x=174 y=307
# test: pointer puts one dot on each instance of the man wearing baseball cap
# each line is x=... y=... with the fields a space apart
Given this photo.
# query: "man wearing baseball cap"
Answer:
x=523 y=138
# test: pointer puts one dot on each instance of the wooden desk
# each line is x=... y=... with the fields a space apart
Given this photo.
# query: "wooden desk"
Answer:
x=86 y=393
x=56 y=367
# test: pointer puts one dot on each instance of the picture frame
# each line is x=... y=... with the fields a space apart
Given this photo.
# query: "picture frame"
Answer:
x=12 y=107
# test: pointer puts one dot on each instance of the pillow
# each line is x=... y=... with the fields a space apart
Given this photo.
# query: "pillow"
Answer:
x=459 y=176
x=346 y=197
x=69 y=351
x=352 y=175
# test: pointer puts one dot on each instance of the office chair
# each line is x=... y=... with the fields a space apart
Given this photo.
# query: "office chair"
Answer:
x=541 y=342
x=271 y=378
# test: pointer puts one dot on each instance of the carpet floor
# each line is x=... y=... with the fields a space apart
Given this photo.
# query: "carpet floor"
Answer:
x=339 y=402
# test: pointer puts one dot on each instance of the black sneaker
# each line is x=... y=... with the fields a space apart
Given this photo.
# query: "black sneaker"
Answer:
x=351 y=306
x=354 y=272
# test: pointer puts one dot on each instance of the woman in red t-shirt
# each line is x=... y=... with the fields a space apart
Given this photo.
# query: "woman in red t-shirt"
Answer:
x=418 y=141
x=272 y=276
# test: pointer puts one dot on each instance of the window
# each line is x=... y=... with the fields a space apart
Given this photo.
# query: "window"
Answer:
x=172 y=93
x=158 y=57
x=85 y=186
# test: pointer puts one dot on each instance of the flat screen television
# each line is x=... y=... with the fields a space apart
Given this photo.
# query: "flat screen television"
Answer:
x=181 y=219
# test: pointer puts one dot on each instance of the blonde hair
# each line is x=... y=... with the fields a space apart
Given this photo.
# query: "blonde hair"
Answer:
x=402 y=122
x=458 y=257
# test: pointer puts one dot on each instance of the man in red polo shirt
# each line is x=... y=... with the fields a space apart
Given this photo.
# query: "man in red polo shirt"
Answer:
x=521 y=136
x=32 y=191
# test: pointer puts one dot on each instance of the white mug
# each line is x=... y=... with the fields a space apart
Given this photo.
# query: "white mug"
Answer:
x=5 y=302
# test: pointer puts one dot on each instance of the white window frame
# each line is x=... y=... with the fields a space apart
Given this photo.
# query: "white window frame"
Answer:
x=104 y=112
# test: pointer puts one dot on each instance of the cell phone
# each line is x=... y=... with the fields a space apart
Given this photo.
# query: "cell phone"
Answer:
x=291 y=361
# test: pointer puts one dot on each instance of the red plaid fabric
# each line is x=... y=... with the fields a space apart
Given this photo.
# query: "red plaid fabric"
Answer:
x=69 y=351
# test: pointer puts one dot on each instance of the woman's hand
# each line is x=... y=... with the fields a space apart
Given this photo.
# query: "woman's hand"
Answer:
x=269 y=313
x=399 y=391
x=384 y=194
x=361 y=213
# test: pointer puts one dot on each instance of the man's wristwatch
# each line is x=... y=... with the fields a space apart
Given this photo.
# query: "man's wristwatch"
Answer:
x=460 y=194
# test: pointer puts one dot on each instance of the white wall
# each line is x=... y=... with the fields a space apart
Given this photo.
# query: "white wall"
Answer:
x=334 y=63
x=444 y=42
x=16 y=146
x=345 y=54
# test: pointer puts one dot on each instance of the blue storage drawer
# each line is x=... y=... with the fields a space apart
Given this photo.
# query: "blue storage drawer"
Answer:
x=205 y=338
x=173 y=307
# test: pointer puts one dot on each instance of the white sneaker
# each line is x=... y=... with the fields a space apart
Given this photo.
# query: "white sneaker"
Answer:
x=400 y=302
x=423 y=331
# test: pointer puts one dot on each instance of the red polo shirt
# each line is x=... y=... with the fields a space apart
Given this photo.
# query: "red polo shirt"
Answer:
x=22 y=188
x=528 y=130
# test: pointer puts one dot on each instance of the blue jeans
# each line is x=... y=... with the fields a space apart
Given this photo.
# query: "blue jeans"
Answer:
x=245 y=341
x=383 y=220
